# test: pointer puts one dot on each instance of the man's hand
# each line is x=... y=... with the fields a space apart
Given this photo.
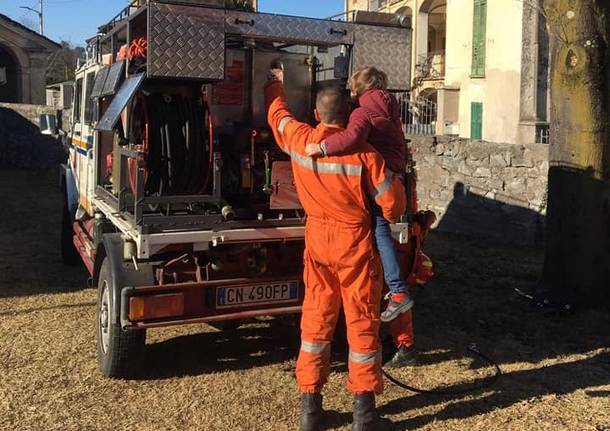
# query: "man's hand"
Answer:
x=314 y=150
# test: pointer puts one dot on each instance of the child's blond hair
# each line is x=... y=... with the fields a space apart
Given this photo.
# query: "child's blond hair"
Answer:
x=368 y=78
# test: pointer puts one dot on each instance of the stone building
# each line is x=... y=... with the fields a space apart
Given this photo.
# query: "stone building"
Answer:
x=24 y=55
x=481 y=64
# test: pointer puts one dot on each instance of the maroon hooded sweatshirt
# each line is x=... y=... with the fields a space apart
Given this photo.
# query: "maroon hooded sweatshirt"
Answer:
x=376 y=121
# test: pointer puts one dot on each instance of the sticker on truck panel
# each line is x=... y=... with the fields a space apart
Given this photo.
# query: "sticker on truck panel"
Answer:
x=258 y=294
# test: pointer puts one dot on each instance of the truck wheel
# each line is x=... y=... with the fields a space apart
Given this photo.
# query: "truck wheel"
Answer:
x=118 y=351
x=69 y=255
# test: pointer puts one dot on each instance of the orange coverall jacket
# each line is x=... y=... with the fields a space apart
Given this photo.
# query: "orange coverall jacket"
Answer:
x=341 y=264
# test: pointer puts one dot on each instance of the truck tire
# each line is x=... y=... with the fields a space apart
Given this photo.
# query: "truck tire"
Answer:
x=118 y=351
x=69 y=255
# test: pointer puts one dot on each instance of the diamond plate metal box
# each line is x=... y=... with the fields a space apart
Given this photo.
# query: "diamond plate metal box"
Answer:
x=289 y=28
x=386 y=48
x=186 y=42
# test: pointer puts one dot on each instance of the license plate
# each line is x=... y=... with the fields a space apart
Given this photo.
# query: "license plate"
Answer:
x=257 y=294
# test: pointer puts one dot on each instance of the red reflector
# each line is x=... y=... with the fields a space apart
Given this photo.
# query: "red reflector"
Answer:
x=156 y=306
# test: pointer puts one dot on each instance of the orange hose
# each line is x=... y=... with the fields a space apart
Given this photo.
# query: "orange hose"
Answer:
x=138 y=48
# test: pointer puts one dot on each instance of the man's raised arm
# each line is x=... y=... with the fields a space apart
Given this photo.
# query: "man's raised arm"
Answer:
x=288 y=132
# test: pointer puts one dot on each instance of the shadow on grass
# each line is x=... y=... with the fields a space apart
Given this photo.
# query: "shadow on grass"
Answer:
x=251 y=346
x=512 y=388
x=472 y=299
x=30 y=226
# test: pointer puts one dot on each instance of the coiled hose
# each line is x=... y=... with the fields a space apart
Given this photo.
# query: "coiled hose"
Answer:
x=178 y=145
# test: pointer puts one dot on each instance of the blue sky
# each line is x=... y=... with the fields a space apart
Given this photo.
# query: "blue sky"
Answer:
x=76 y=20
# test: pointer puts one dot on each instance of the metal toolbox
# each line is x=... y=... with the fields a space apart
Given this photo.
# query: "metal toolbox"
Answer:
x=389 y=49
x=289 y=28
x=186 y=42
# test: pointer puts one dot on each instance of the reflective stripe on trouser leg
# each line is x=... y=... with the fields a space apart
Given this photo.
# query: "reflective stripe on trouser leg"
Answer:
x=361 y=285
x=313 y=366
x=320 y=312
x=365 y=372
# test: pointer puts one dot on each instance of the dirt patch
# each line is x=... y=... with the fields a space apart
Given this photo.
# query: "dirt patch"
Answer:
x=556 y=367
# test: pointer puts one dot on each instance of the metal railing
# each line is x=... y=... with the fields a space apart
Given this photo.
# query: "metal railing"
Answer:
x=375 y=5
x=347 y=16
x=419 y=115
x=543 y=134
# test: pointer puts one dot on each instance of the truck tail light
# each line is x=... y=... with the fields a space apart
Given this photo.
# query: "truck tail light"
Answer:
x=156 y=307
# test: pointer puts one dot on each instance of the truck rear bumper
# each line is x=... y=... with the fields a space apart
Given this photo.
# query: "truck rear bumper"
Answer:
x=182 y=304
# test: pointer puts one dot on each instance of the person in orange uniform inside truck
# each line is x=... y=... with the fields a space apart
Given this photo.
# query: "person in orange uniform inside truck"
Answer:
x=342 y=267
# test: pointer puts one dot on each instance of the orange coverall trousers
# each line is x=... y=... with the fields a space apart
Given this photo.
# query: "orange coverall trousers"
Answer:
x=401 y=329
x=341 y=268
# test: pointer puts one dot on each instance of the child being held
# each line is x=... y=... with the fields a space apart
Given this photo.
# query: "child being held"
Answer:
x=376 y=121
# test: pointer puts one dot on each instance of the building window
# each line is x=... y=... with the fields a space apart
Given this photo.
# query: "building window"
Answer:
x=78 y=98
x=88 y=99
x=476 y=121
x=479 y=37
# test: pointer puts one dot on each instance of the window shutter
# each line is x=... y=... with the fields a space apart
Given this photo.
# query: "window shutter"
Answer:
x=476 y=120
x=479 y=37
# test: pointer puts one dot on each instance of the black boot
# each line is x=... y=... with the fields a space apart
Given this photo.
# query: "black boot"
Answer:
x=311 y=412
x=404 y=357
x=365 y=415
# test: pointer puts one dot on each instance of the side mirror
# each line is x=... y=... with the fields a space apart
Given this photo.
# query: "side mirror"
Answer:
x=48 y=124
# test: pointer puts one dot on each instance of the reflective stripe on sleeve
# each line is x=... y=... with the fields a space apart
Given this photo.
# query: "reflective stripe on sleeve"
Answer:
x=365 y=358
x=324 y=167
x=283 y=123
x=385 y=185
x=314 y=348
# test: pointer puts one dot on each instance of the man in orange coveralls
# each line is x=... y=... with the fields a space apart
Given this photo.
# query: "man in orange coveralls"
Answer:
x=341 y=265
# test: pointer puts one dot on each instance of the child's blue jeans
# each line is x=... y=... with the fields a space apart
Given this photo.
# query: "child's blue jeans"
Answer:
x=388 y=254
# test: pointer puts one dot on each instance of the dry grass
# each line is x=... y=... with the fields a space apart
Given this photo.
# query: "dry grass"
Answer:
x=557 y=368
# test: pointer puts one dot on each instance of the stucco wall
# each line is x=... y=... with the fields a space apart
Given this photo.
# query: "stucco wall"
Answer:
x=484 y=189
x=499 y=90
x=31 y=53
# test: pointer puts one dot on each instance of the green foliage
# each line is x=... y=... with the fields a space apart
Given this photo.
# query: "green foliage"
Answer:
x=245 y=5
x=63 y=63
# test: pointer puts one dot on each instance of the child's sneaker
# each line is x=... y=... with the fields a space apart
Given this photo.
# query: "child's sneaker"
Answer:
x=399 y=303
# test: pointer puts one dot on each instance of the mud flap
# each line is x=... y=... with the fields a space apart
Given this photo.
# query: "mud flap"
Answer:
x=124 y=274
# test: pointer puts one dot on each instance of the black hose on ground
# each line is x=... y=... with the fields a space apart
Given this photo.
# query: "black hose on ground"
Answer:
x=472 y=349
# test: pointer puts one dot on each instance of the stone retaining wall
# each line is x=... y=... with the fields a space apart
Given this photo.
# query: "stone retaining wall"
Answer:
x=484 y=189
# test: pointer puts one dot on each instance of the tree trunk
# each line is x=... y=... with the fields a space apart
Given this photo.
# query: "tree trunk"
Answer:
x=578 y=243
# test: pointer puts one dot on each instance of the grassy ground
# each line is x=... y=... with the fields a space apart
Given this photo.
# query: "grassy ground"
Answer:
x=556 y=367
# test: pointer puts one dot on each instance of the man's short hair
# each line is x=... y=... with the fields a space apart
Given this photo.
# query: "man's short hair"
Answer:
x=332 y=105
